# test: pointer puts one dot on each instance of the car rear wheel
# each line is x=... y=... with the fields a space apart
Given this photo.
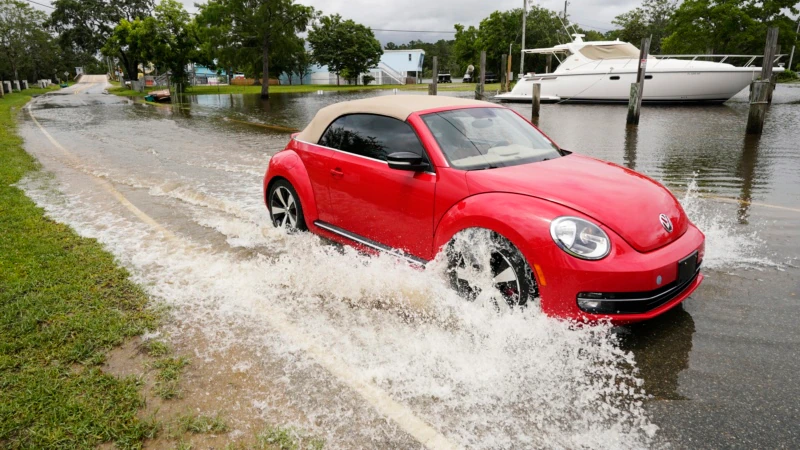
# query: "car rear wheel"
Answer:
x=478 y=258
x=285 y=209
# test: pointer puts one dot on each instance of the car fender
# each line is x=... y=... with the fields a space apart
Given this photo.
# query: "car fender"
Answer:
x=523 y=220
x=287 y=164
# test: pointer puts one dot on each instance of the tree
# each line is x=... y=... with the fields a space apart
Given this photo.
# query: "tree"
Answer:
x=651 y=19
x=20 y=25
x=168 y=39
x=347 y=48
x=465 y=49
x=248 y=30
x=128 y=40
x=496 y=32
x=84 y=26
x=301 y=64
x=282 y=59
x=729 y=26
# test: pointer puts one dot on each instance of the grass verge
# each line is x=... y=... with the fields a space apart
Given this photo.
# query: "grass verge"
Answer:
x=63 y=304
x=299 y=89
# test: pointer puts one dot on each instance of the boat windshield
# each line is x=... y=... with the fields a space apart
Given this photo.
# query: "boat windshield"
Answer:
x=610 y=51
x=486 y=138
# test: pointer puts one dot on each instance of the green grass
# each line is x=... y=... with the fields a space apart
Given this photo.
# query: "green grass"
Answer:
x=64 y=303
x=196 y=424
x=125 y=92
x=156 y=349
x=307 y=88
x=287 y=439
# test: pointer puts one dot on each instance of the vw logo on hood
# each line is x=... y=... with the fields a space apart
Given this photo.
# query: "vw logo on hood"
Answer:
x=665 y=222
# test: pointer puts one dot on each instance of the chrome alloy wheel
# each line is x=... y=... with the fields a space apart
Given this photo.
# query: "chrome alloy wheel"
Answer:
x=283 y=208
x=505 y=278
x=477 y=257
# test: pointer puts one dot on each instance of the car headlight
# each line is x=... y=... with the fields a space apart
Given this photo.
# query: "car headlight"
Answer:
x=580 y=238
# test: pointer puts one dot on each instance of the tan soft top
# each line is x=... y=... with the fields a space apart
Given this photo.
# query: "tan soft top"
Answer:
x=397 y=106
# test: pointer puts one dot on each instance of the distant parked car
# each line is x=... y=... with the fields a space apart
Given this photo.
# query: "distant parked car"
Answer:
x=416 y=175
x=475 y=77
x=445 y=78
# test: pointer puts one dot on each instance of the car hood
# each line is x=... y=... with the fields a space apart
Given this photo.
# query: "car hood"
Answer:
x=625 y=201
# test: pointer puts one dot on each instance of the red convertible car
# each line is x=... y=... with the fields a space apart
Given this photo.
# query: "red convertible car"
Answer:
x=586 y=238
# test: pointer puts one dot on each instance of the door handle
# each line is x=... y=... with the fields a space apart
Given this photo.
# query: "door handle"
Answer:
x=337 y=173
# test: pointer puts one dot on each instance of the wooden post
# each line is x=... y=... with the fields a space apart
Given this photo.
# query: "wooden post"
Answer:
x=637 y=89
x=549 y=63
x=433 y=88
x=504 y=74
x=773 y=82
x=536 y=100
x=479 y=88
x=760 y=89
x=509 y=75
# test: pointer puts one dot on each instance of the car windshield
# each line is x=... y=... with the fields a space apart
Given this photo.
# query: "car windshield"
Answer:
x=486 y=138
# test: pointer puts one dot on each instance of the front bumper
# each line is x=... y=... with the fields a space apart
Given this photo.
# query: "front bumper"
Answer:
x=630 y=286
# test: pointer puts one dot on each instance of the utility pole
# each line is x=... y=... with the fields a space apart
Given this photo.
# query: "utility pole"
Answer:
x=791 y=55
x=433 y=88
x=524 y=23
x=565 y=12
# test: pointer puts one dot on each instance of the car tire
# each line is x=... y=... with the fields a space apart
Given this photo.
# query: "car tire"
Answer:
x=284 y=206
x=510 y=272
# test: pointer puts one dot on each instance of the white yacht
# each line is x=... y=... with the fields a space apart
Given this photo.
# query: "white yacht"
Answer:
x=602 y=71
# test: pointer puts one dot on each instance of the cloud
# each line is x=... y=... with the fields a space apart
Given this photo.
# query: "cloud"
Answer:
x=441 y=15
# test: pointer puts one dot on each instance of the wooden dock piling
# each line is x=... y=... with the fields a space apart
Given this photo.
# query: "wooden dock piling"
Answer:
x=504 y=73
x=479 y=88
x=637 y=89
x=536 y=101
x=509 y=75
x=760 y=90
x=433 y=88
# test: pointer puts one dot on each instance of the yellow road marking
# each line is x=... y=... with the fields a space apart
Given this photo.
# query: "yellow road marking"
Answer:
x=747 y=202
x=379 y=399
x=79 y=90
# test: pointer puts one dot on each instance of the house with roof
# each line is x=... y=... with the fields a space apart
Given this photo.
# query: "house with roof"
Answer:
x=394 y=67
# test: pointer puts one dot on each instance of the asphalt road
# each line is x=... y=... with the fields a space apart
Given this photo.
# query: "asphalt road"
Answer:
x=369 y=353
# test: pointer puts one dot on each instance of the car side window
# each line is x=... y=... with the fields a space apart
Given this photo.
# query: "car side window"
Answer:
x=372 y=136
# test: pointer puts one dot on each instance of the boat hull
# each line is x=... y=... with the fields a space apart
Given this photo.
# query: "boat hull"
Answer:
x=614 y=87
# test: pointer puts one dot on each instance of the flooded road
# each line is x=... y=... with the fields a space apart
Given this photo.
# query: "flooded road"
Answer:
x=370 y=353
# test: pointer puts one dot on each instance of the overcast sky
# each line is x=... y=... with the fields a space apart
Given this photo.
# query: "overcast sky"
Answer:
x=440 y=15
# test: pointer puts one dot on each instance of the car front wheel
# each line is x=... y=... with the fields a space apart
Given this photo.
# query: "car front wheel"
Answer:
x=483 y=262
x=285 y=209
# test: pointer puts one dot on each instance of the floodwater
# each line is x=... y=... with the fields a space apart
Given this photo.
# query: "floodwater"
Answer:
x=370 y=353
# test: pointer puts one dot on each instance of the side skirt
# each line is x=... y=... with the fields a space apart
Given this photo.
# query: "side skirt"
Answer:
x=370 y=243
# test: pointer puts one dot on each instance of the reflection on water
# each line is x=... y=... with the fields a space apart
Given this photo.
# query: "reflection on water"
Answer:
x=672 y=144
x=747 y=171
x=631 y=140
x=661 y=347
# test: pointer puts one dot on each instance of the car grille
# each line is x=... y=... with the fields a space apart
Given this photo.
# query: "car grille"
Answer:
x=632 y=302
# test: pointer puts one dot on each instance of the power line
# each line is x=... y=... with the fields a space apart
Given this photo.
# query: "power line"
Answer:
x=40 y=4
x=414 y=31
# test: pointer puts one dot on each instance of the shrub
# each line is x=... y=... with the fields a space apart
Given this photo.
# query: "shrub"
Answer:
x=787 y=75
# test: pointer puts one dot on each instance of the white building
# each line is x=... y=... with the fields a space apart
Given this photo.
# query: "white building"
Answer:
x=395 y=67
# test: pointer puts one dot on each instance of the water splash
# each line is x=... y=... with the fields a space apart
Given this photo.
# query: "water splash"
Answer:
x=483 y=379
x=727 y=246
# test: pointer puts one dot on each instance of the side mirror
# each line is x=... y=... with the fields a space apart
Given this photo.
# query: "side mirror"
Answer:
x=406 y=161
